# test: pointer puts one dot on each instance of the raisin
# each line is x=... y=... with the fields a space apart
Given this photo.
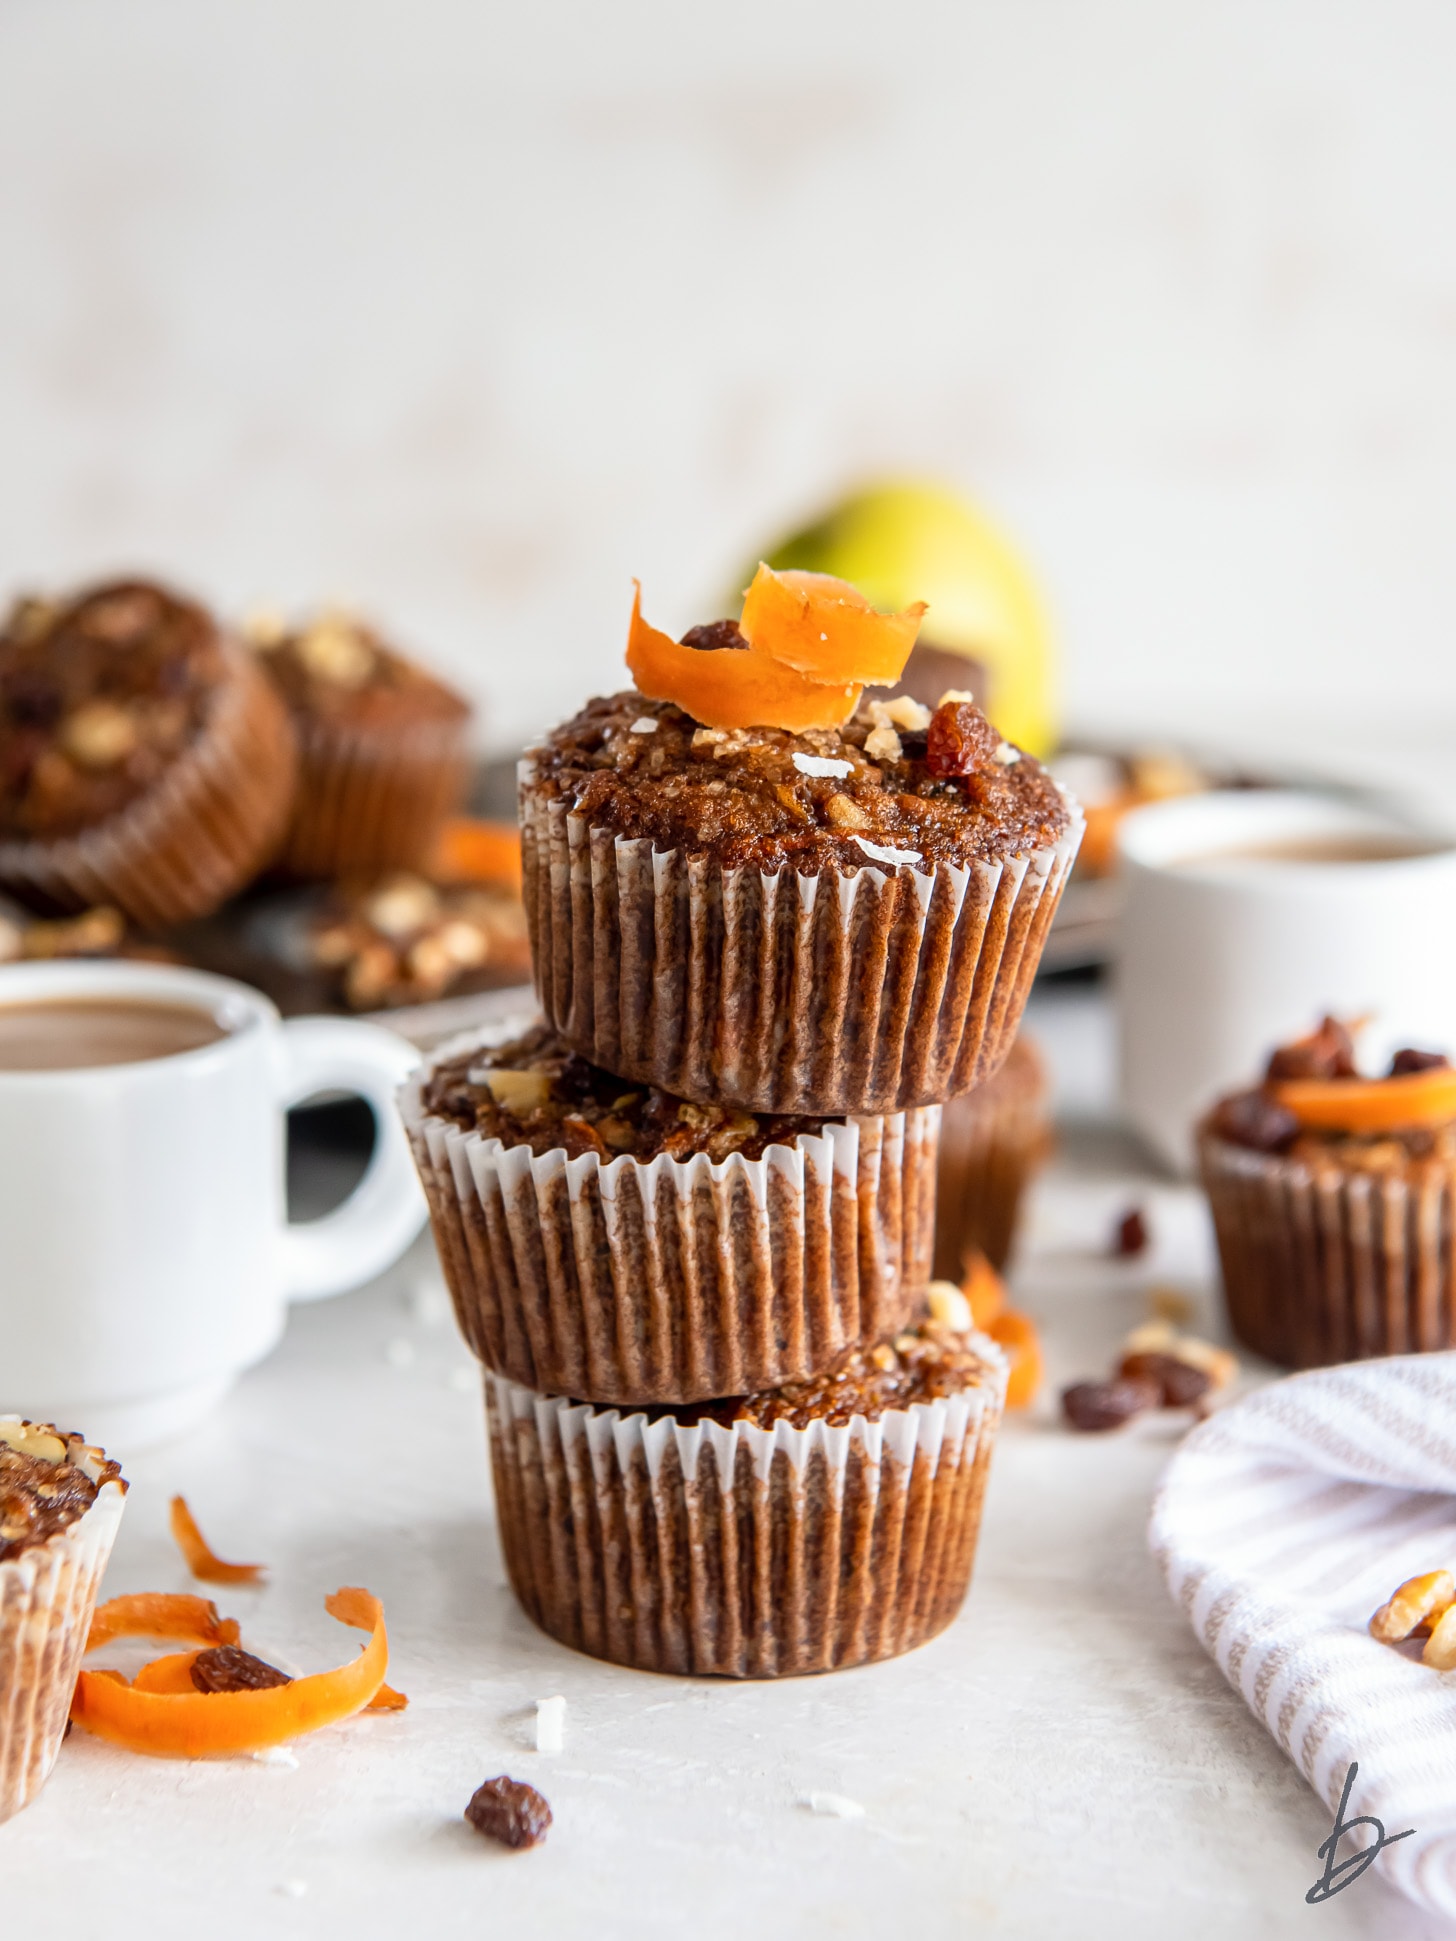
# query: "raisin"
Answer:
x=1179 y=1382
x=1107 y=1405
x=228 y=1668
x=714 y=635
x=1326 y=1053
x=1255 y=1120
x=510 y=1811
x=1131 y=1237
x=958 y=739
x=1408 y=1061
x=32 y=699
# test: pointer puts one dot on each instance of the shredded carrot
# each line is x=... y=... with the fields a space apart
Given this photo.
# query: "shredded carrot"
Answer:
x=170 y=1674
x=181 y=1724
x=161 y=1614
x=201 y=1559
x=386 y=1699
x=826 y=629
x=732 y=687
x=984 y=1288
x=1371 y=1104
x=469 y=850
x=1016 y=1333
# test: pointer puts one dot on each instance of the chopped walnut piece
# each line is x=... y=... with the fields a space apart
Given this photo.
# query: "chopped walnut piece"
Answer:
x=906 y=712
x=99 y=734
x=510 y=1811
x=882 y=744
x=1417 y=1599
x=845 y=813
x=333 y=649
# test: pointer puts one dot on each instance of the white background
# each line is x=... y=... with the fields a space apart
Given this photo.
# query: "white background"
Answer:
x=469 y=314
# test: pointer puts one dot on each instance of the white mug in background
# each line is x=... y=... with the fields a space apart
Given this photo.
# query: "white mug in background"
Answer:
x=146 y=1257
x=1238 y=933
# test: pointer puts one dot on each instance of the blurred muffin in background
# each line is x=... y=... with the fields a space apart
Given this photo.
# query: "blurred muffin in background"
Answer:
x=991 y=1142
x=1111 y=786
x=144 y=761
x=382 y=743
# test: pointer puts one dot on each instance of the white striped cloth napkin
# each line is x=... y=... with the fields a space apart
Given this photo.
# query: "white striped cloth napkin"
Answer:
x=1281 y=1524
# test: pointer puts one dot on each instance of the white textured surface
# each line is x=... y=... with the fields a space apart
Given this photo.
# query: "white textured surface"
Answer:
x=471 y=312
x=1064 y=1760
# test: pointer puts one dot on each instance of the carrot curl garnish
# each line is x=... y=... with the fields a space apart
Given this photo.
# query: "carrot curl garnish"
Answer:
x=826 y=628
x=179 y=1723
x=161 y=1614
x=808 y=646
x=1425 y=1098
x=1016 y=1334
x=200 y=1557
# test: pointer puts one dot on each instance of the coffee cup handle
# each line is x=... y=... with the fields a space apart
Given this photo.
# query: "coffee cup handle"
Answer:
x=387 y=1208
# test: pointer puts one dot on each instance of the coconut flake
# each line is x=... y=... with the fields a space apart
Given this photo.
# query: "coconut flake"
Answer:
x=822 y=765
x=550 y=1724
x=1005 y=754
x=880 y=852
x=834 y=1806
x=277 y=1756
x=645 y=724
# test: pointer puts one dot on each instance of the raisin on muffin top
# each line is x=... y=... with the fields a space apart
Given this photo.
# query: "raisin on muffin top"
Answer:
x=897 y=783
x=535 y=1091
x=97 y=696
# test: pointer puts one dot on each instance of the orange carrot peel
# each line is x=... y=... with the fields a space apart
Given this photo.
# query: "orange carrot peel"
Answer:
x=164 y=1718
x=1015 y=1333
x=1370 y=1104
x=984 y=1288
x=471 y=850
x=813 y=643
x=161 y=1614
x=200 y=1557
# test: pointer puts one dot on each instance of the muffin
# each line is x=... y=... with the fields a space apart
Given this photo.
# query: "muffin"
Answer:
x=840 y=919
x=60 y=1504
x=607 y=1240
x=1334 y=1200
x=384 y=757
x=991 y=1142
x=821 y=1525
x=144 y=760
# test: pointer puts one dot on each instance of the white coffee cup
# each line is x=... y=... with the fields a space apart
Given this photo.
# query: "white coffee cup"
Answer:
x=1224 y=953
x=146 y=1257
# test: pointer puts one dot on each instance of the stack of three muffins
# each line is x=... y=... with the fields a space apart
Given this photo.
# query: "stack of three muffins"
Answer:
x=687 y=1220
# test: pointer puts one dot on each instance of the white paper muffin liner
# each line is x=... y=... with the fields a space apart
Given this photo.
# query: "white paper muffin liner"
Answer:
x=742 y=1551
x=1326 y=1262
x=778 y=992
x=203 y=830
x=674 y=1280
x=373 y=798
x=47 y=1596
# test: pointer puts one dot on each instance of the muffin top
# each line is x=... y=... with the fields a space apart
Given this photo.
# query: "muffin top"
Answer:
x=1314 y=1105
x=337 y=669
x=47 y=1483
x=98 y=694
x=923 y=1363
x=535 y=1091
x=898 y=783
